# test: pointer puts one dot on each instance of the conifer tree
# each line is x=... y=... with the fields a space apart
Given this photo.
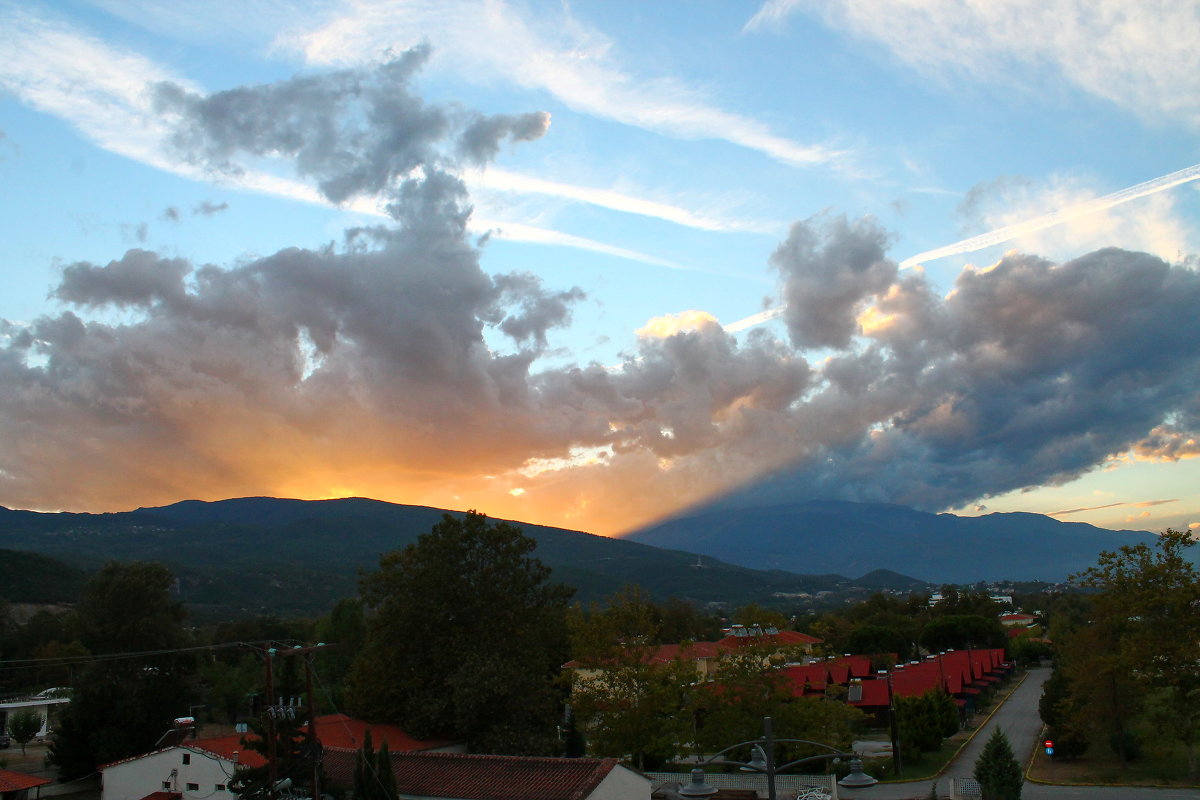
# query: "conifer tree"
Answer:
x=385 y=774
x=997 y=770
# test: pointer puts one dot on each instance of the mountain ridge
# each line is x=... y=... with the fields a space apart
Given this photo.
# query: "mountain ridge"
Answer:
x=940 y=548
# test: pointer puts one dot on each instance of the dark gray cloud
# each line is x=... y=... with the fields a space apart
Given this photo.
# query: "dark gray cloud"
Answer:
x=208 y=208
x=1026 y=374
x=354 y=131
x=829 y=267
x=480 y=141
x=171 y=214
x=140 y=278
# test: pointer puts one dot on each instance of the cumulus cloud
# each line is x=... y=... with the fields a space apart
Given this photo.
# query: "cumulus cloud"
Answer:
x=1027 y=373
x=828 y=270
x=392 y=364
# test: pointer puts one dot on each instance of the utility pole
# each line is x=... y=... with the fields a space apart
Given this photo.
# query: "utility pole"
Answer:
x=313 y=743
x=893 y=726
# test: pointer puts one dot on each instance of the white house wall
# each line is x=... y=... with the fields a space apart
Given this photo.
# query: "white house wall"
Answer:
x=206 y=777
x=622 y=784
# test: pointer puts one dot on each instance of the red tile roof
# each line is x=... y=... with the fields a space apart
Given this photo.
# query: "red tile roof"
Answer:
x=807 y=678
x=339 y=730
x=483 y=777
x=874 y=695
x=334 y=730
x=231 y=748
x=16 y=781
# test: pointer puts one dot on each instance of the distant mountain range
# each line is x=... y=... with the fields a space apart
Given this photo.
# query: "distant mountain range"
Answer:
x=298 y=557
x=850 y=538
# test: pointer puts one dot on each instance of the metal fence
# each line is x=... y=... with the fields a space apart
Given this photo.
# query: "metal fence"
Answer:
x=965 y=789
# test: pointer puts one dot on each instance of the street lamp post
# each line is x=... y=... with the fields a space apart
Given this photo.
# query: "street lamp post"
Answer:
x=763 y=762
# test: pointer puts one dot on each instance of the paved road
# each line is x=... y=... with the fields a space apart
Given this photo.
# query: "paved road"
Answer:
x=1018 y=718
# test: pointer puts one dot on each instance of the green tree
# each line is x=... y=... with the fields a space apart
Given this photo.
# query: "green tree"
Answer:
x=1145 y=603
x=122 y=704
x=877 y=639
x=681 y=621
x=365 y=781
x=997 y=770
x=628 y=702
x=346 y=629
x=226 y=687
x=957 y=602
x=23 y=726
x=960 y=631
x=294 y=758
x=754 y=614
x=1103 y=694
x=466 y=639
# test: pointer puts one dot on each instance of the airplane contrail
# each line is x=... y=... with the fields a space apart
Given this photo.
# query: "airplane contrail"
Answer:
x=1057 y=217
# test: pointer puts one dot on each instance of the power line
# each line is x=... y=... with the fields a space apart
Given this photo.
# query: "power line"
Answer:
x=53 y=661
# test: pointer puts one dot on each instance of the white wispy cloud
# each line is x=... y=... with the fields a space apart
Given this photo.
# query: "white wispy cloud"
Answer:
x=58 y=69
x=1071 y=212
x=102 y=90
x=486 y=40
x=505 y=180
x=1141 y=57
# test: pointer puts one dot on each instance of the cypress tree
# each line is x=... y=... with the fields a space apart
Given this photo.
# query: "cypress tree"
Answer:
x=365 y=787
x=997 y=770
x=385 y=774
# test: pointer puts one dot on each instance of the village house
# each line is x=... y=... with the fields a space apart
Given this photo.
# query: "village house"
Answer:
x=197 y=769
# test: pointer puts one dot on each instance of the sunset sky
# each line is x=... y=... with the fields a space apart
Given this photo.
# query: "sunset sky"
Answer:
x=591 y=263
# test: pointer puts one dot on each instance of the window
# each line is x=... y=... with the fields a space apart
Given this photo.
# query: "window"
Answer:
x=193 y=787
x=220 y=787
x=166 y=784
x=187 y=758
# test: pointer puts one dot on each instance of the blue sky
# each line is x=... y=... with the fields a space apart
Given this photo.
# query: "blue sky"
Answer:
x=690 y=224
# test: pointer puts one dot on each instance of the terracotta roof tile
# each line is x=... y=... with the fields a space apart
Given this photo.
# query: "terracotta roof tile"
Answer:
x=483 y=777
x=16 y=781
x=334 y=730
x=163 y=796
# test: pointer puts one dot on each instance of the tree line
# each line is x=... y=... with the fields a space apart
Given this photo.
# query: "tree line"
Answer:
x=1126 y=680
x=461 y=635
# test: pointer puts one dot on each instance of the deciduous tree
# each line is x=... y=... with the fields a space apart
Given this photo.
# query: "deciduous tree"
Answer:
x=466 y=639
x=1146 y=631
x=123 y=703
x=23 y=726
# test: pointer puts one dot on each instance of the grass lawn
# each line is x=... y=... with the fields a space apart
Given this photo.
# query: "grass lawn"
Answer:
x=1167 y=768
x=912 y=769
